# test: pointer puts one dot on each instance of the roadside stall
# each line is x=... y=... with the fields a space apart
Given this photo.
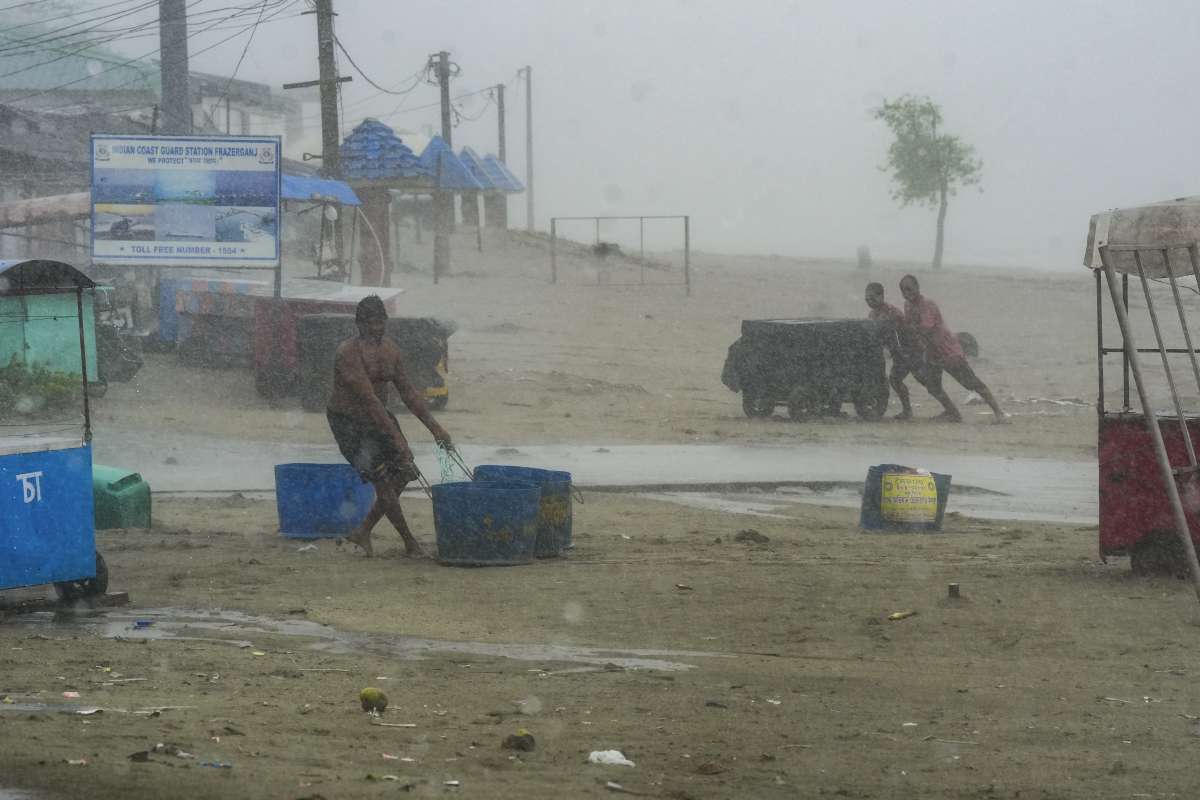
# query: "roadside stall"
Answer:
x=1149 y=475
x=47 y=532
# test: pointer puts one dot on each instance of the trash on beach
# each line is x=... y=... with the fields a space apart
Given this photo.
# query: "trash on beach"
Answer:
x=613 y=758
x=307 y=548
x=373 y=700
x=522 y=740
x=683 y=587
x=77 y=762
x=71 y=695
x=899 y=615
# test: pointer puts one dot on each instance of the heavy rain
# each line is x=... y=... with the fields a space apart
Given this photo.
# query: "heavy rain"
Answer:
x=547 y=400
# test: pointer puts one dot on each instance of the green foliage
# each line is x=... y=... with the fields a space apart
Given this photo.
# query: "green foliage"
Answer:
x=33 y=392
x=924 y=163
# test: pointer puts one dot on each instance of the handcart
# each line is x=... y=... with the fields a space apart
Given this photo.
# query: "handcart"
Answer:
x=812 y=366
x=47 y=528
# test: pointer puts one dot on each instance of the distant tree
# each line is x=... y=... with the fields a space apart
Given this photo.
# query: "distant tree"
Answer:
x=927 y=167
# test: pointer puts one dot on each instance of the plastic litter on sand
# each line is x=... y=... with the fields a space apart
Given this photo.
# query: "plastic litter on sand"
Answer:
x=609 y=757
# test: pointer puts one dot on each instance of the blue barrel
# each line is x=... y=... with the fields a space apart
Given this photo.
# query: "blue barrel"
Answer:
x=554 y=519
x=485 y=523
x=320 y=500
x=872 y=516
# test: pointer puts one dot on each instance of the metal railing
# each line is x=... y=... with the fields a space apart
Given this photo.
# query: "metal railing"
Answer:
x=687 y=245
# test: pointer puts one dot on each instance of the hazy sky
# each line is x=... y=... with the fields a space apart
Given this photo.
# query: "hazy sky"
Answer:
x=754 y=117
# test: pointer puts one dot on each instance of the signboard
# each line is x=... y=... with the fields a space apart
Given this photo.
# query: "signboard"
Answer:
x=908 y=498
x=200 y=201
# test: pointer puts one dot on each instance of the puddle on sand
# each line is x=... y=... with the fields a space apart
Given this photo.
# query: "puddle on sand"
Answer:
x=232 y=627
x=15 y=794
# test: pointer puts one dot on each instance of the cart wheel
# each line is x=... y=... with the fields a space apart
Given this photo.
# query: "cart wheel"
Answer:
x=808 y=401
x=757 y=405
x=69 y=591
x=871 y=407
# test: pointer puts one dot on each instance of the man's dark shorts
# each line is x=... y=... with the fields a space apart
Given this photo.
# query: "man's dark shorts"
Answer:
x=959 y=370
x=905 y=365
x=369 y=450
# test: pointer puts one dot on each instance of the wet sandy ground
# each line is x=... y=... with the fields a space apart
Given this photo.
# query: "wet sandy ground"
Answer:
x=1053 y=676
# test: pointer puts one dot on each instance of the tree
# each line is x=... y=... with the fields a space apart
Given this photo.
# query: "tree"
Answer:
x=927 y=168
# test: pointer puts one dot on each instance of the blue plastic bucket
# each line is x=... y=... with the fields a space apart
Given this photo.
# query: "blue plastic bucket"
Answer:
x=320 y=500
x=554 y=518
x=486 y=523
x=889 y=506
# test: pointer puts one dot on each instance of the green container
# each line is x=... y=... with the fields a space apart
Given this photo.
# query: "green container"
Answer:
x=121 y=497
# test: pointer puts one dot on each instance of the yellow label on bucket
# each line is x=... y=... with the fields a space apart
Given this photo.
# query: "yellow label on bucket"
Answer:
x=908 y=498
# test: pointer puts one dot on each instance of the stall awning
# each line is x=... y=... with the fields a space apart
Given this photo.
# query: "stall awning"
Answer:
x=303 y=187
x=38 y=276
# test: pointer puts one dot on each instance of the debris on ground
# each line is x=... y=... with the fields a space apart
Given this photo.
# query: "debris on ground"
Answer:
x=899 y=615
x=373 y=700
x=307 y=548
x=751 y=536
x=613 y=758
x=522 y=740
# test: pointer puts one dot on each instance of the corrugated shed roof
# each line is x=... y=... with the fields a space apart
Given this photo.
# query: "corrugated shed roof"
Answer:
x=500 y=177
x=474 y=164
x=373 y=151
x=450 y=173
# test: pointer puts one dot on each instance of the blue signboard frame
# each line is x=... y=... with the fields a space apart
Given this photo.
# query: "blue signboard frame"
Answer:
x=196 y=201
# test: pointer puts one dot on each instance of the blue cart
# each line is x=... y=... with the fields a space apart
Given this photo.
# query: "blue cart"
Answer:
x=47 y=527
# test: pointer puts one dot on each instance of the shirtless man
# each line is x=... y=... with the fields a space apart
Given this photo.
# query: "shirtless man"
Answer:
x=366 y=432
x=901 y=343
x=942 y=353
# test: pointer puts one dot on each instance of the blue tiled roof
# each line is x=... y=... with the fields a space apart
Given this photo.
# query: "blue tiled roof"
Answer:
x=453 y=174
x=373 y=151
x=499 y=175
x=474 y=165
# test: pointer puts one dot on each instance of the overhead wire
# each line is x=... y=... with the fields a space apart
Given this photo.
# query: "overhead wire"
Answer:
x=286 y=4
x=225 y=92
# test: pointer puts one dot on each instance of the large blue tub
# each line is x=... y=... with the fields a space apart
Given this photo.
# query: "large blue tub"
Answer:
x=320 y=500
x=486 y=523
x=554 y=518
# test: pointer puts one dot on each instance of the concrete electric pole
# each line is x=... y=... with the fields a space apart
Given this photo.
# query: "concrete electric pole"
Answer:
x=528 y=148
x=173 y=67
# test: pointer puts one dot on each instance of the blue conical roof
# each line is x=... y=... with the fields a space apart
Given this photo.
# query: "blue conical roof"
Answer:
x=474 y=164
x=499 y=175
x=373 y=151
x=453 y=174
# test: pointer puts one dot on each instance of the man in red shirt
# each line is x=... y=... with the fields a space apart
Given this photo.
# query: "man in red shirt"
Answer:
x=942 y=352
x=901 y=343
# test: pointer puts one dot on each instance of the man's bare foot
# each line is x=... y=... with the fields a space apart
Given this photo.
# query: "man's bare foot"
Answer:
x=903 y=415
x=414 y=550
x=363 y=540
x=947 y=416
x=1002 y=419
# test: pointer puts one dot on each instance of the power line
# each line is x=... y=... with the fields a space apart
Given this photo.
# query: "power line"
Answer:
x=63 y=55
x=359 y=69
x=288 y=4
x=224 y=92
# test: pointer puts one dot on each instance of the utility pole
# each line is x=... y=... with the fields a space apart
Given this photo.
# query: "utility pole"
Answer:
x=500 y=118
x=443 y=202
x=173 y=68
x=331 y=153
x=528 y=148
x=443 y=73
